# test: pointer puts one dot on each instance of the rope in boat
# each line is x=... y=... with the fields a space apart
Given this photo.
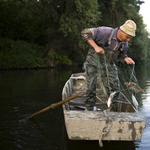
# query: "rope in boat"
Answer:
x=100 y=68
x=106 y=131
x=107 y=72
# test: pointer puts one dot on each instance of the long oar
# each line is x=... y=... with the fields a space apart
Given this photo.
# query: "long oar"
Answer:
x=57 y=104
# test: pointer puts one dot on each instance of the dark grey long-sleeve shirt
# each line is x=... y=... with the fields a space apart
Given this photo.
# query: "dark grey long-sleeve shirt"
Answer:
x=101 y=35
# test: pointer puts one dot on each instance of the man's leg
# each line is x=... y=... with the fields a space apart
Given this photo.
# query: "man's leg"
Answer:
x=91 y=79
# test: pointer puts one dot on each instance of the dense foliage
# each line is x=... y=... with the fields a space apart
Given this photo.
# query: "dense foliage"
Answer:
x=42 y=33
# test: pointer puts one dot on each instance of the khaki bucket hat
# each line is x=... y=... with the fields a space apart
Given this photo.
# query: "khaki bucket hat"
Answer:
x=129 y=27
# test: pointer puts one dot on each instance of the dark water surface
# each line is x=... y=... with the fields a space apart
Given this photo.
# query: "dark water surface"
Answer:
x=27 y=91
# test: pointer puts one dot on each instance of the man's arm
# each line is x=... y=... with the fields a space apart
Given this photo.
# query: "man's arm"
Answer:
x=98 y=35
x=98 y=49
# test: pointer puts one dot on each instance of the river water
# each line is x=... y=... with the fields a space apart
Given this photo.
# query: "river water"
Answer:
x=23 y=92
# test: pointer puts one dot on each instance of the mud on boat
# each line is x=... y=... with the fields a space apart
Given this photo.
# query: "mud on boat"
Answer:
x=99 y=122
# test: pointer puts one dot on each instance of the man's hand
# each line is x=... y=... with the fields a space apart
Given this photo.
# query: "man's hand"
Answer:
x=129 y=60
x=98 y=49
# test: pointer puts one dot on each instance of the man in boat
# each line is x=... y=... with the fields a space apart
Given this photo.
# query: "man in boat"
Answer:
x=101 y=40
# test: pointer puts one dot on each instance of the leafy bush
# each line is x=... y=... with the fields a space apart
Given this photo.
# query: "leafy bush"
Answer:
x=59 y=59
x=20 y=54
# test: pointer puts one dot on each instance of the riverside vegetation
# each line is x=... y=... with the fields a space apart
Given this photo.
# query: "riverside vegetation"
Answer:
x=46 y=33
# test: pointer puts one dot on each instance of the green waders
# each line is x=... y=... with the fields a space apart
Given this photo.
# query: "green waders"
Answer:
x=102 y=66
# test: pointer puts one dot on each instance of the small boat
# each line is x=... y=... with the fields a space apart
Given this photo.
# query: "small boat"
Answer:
x=99 y=122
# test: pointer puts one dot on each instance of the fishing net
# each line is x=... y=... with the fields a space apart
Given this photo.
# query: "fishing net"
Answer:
x=112 y=74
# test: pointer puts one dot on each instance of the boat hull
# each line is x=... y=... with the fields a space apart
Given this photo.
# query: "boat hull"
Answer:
x=90 y=125
x=101 y=125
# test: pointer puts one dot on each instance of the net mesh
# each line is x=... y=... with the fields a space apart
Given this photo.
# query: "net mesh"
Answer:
x=113 y=74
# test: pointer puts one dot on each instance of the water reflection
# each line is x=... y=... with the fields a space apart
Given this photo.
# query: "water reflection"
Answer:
x=143 y=74
x=28 y=91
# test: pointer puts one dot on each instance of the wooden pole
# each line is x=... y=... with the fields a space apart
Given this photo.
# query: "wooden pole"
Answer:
x=57 y=104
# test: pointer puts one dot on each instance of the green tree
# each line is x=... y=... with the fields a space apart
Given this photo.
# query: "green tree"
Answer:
x=57 y=25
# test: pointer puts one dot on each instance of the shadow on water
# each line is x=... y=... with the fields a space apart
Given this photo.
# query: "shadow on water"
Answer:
x=42 y=133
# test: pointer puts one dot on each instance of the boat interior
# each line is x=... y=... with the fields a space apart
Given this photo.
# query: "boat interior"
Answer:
x=76 y=84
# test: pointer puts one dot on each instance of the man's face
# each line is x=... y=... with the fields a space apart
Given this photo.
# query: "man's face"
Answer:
x=125 y=37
